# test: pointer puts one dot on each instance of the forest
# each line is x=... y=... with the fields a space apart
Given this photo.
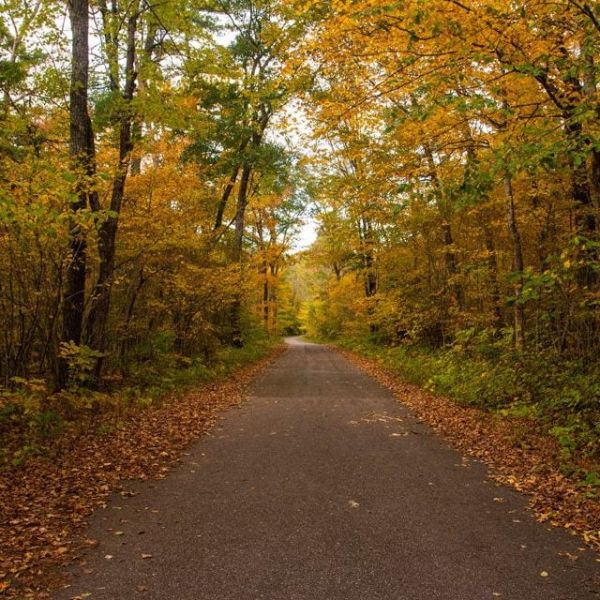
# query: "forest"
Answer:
x=146 y=211
x=458 y=196
x=164 y=164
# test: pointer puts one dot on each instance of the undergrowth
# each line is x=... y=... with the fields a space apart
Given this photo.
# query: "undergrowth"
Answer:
x=37 y=423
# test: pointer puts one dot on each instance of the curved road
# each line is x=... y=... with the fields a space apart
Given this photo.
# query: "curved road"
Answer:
x=323 y=487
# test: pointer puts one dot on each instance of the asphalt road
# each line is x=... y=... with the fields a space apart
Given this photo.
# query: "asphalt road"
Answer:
x=322 y=487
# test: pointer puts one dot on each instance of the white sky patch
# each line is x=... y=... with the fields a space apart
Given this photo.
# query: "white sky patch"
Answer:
x=291 y=128
x=306 y=236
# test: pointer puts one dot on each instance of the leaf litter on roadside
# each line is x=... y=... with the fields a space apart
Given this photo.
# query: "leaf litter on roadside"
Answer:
x=532 y=467
x=46 y=503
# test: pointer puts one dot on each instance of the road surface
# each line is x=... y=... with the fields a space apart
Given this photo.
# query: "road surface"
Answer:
x=323 y=487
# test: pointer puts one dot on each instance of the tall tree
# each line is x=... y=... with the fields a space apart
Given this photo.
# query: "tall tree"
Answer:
x=82 y=152
x=123 y=93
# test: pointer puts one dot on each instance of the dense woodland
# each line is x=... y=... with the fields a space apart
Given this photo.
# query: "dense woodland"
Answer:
x=158 y=160
x=459 y=191
x=145 y=210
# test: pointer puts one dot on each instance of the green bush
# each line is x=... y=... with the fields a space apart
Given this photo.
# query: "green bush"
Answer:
x=32 y=418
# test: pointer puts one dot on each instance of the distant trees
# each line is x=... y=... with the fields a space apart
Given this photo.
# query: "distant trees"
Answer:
x=454 y=171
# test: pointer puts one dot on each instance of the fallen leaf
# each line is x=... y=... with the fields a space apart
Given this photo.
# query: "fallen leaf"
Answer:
x=533 y=466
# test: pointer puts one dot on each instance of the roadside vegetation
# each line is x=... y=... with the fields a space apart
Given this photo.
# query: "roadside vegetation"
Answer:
x=558 y=399
x=146 y=209
x=458 y=161
x=37 y=423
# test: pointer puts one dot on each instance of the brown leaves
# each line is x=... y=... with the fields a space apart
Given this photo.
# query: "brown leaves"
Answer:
x=46 y=503
x=517 y=455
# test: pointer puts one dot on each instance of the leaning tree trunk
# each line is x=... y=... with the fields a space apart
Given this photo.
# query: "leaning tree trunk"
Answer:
x=82 y=152
x=229 y=188
x=225 y=198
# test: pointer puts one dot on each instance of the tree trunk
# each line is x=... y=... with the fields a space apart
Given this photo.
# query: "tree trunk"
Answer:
x=518 y=308
x=368 y=259
x=128 y=318
x=225 y=198
x=100 y=306
x=238 y=240
x=240 y=215
x=585 y=218
x=470 y=178
x=591 y=92
x=82 y=152
x=584 y=179
x=447 y=238
x=266 y=296
x=451 y=264
x=492 y=263
x=137 y=126
x=582 y=192
x=273 y=299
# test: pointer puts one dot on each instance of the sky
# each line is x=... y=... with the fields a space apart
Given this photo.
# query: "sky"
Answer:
x=307 y=235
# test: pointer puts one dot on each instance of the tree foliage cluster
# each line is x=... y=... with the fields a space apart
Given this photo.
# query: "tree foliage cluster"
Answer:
x=458 y=155
x=147 y=204
x=451 y=151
